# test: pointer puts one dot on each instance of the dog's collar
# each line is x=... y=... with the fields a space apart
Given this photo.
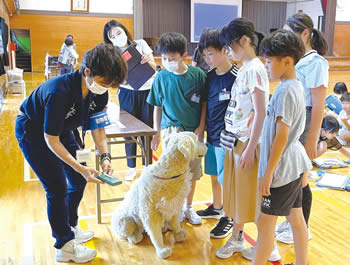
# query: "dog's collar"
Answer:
x=174 y=177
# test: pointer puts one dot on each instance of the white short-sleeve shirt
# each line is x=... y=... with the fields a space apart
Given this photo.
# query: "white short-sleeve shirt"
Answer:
x=343 y=116
x=240 y=111
x=144 y=49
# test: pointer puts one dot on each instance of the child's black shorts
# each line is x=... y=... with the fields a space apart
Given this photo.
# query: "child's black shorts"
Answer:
x=283 y=199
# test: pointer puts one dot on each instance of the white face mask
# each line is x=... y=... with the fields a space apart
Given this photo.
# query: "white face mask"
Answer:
x=96 y=88
x=170 y=66
x=120 y=40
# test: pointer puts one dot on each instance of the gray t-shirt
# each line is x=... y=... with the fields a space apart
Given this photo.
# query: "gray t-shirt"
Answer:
x=287 y=102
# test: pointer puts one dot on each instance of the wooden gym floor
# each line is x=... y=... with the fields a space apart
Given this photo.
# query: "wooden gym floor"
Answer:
x=25 y=236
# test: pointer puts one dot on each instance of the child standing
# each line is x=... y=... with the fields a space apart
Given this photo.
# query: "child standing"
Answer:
x=220 y=80
x=243 y=125
x=283 y=159
x=312 y=72
x=178 y=93
x=68 y=56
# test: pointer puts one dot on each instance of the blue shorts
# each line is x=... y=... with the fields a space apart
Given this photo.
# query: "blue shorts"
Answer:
x=214 y=162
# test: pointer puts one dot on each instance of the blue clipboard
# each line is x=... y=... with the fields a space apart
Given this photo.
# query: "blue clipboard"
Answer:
x=334 y=104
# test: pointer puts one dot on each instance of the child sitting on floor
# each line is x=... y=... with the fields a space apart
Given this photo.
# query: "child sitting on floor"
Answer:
x=328 y=140
x=344 y=119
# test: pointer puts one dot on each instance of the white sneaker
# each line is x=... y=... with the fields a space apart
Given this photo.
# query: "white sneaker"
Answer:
x=82 y=236
x=76 y=252
x=248 y=253
x=282 y=227
x=232 y=245
x=192 y=216
x=131 y=174
x=287 y=236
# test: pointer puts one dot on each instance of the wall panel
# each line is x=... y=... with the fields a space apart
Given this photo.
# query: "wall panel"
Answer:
x=341 y=44
x=265 y=15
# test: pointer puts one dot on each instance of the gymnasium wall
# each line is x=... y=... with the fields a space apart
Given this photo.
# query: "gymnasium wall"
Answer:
x=341 y=45
x=342 y=29
x=47 y=32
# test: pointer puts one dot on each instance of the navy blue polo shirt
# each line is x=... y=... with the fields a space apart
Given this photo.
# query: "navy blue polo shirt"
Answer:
x=219 y=94
x=57 y=105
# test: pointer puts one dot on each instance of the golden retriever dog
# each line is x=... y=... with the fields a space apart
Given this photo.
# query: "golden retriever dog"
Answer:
x=157 y=197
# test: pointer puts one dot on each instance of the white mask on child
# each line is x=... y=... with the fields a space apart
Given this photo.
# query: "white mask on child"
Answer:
x=96 y=88
x=120 y=40
x=170 y=66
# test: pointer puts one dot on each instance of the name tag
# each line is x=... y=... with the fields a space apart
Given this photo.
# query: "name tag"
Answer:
x=224 y=96
x=84 y=156
x=99 y=120
x=195 y=98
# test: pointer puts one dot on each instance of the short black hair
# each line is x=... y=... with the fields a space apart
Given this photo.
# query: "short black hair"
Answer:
x=340 y=88
x=345 y=97
x=238 y=28
x=111 y=24
x=210 y=37
x=68 y=41
x=105 y=60
x=70 y=36
x=282 y=43
x=330 y=124
x=172 y=42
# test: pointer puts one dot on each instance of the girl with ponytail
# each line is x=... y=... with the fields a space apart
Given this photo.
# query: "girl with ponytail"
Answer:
x=244 y=120
x=312 y=72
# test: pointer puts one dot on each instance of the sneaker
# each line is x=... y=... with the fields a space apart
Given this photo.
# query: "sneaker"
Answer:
x=248 y=253
x=287 y=236
x=223 y=228
x=192 y=216
x=131 y=174
x=282 y=227
x=76 y=252
x=232 y=245
x=211 y=212
x=82 y=236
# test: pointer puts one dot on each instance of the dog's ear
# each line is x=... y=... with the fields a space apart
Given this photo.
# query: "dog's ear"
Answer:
x=186 y=146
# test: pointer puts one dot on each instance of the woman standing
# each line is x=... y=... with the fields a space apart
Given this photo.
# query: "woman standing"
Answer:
x=44 y=134
x=132 y=100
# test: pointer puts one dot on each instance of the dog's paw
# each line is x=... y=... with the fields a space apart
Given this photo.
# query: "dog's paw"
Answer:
x=134 y=239
x=180 y=236
x=164 y=252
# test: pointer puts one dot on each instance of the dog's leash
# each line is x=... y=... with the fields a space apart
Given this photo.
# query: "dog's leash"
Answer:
x=174 y=177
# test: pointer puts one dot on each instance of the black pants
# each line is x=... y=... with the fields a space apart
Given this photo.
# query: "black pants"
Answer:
x=134 y=102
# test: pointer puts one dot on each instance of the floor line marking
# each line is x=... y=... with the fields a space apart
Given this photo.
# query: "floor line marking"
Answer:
x=332 y=201
x=84 y=226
